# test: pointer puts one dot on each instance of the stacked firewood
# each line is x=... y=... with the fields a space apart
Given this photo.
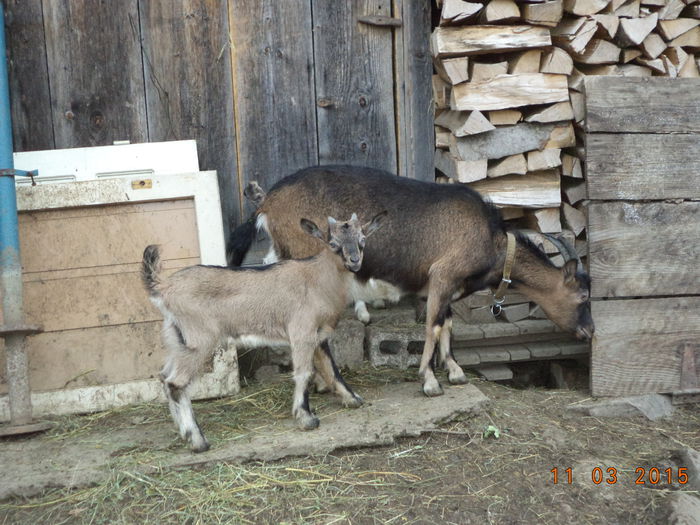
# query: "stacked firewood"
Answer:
x=508 y=90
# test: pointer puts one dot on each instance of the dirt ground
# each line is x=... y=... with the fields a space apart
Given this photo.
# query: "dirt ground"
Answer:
x=493 y=467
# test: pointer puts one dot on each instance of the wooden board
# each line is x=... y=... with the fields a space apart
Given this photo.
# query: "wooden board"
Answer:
x=639 y=344
x=638 y=166
x=95 y=72
x=28 y=76
x=502 y=142
x=82 y=283
x=510 y=91
x=272 y=51
x=81 y=246
x=614 y=104
x=644 y=249
x=534 y=190
x=413 y=70
x=476 y=40
x=353 y=65
x=192 y=97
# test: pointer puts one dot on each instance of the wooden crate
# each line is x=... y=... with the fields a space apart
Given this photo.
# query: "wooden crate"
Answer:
x=642 y=158
x=81 y=248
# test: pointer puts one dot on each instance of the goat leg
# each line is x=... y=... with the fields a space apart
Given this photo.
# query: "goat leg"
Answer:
x=455 y=374
x=328 y=370
x=302 y=361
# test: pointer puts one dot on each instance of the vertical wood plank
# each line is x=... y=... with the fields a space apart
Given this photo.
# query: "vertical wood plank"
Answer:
x=273 y=88
x=354 y=84
x=189 y=91
x=29 y=83
x=639 y=344
x=95 y=72
x=413 y=74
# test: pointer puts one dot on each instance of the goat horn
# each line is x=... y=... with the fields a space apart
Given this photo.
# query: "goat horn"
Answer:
x=567 y=251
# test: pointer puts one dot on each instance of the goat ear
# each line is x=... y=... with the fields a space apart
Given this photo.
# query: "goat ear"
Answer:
x=376 y=223
x=569 y=270
x=311 y=228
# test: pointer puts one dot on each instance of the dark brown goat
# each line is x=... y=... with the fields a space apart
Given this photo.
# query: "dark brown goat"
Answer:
x=441 y=241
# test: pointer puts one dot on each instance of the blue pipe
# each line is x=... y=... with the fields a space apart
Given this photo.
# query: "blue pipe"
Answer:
x=9 y=236
x=13 y=328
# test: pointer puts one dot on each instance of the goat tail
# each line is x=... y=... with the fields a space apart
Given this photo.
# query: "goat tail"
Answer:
x=150 y=269
x=239 y=242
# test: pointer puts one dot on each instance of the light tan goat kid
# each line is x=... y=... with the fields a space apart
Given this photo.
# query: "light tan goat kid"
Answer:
x=295 y=301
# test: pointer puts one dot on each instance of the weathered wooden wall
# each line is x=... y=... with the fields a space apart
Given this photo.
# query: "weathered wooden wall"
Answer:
x=264 y=86
x=644 y=248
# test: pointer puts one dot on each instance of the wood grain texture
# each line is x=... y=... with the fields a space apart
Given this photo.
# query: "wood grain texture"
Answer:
x=639 y=166
x=189 y=91
x=476 y=40
x=502 y=142
x=670 y=104
x=510 y=91
x=273 y=72
x=534 y=190
x=126 y=352
x=28 y=76
x=638 y=344
x=95 y=72
x=354 y=75
x=644 y=249
x=416 y=140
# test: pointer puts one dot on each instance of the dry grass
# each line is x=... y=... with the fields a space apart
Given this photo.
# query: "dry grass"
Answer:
x=453 y=475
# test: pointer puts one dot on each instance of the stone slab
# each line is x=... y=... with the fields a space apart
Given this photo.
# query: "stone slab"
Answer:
x=391 y=411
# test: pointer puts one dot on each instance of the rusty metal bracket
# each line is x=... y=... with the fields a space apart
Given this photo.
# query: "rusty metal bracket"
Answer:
x=380 y=21
x=11 y=172
x=25 y=329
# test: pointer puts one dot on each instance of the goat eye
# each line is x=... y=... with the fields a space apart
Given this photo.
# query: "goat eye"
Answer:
x=334 y=245
x=362 y=242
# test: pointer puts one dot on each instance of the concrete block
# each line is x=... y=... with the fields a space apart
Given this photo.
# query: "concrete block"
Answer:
x=466 y=332
x=495 y=372
x=397 y=346
x=347 y=344
x=651 y=406
x=684 y=509
x=493 y=354
x=543 y=350
x=500 y=329
x=518 y=353
x=466 y=356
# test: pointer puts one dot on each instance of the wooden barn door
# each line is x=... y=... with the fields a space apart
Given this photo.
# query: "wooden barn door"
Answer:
x=331 y=82
x=266 y=87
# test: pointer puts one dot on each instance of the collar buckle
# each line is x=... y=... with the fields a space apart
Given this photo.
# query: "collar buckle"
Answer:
x=499 y=296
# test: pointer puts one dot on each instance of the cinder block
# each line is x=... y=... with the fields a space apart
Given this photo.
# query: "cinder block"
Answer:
x=347 y=343
x=397 y=346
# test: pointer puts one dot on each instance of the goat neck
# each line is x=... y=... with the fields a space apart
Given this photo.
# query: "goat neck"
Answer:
x=533 y=274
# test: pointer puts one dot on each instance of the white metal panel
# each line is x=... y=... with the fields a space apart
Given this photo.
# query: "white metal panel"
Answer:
x=81 y=164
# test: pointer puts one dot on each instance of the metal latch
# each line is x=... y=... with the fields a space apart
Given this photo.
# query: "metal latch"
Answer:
x=11 y=172
x=380 y=21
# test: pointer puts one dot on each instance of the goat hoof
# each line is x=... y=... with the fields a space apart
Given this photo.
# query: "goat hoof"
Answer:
x=458 y=379
x=364 y=317
x=308 y=422
x=354 y=402
x=198 y=446
x=432 y=389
